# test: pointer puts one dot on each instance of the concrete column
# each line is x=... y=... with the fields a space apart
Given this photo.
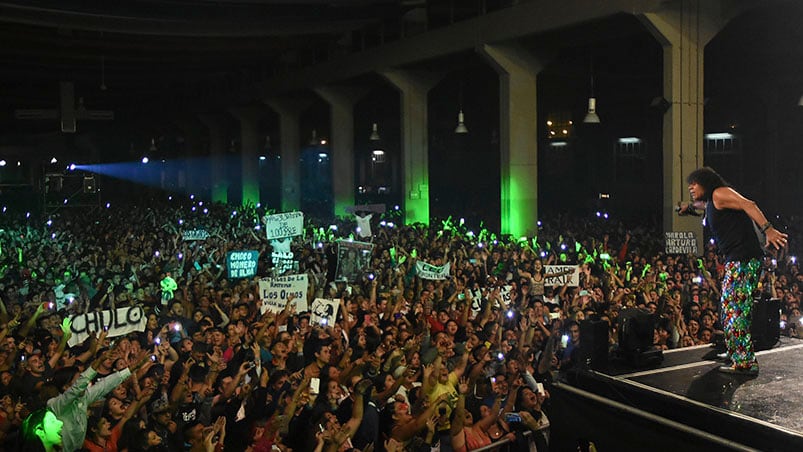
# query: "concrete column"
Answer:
x=250 y=140
x=683 y=28
x=414 y=88
x=192 y=130
x=217 y=161
x=518 y=136
x=289 y=112
x=341 y=102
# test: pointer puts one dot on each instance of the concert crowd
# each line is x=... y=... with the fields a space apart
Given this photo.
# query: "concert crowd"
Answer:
x=403 y=363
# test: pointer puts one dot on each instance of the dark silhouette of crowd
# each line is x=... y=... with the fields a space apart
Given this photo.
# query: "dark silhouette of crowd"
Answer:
x=407 y=363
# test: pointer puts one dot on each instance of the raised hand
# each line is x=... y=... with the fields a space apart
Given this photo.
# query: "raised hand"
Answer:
x=462 y=385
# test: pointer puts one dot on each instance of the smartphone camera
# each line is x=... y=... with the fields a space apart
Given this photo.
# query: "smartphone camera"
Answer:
x=442 y=411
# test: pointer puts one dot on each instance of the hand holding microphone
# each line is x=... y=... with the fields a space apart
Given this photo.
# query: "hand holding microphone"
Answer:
x=685 y=209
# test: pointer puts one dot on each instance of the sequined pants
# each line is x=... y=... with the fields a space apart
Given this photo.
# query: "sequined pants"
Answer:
x=738 y=285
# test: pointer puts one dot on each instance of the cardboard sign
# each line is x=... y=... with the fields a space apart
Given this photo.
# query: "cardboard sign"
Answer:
x=119 y=322
x=324 y=312
x=274 y=292
x=573 y=280
x=242 y=264
x=288 y=224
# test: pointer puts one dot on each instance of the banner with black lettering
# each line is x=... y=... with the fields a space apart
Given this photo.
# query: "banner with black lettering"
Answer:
x=352 y=259
x=119 y=322
x=324 y=312
x=572 y=279
x=274 y=292
x=428 y=271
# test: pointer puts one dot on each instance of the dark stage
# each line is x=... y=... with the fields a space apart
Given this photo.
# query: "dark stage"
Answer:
x=686 y=404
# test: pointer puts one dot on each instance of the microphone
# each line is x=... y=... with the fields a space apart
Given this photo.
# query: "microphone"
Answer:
x=688 y=210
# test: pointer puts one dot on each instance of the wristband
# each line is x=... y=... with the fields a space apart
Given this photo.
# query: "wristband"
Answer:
x=765 y=226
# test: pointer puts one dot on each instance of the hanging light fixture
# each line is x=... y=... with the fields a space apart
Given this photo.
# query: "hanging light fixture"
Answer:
x=374 y=133
x=591 y=116
x=461 y=120
x=461 y=124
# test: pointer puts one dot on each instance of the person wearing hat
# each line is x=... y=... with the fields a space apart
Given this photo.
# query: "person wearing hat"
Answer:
x=162 y=424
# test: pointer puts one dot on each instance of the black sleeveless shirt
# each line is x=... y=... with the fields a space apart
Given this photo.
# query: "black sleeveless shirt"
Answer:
x=734 y=233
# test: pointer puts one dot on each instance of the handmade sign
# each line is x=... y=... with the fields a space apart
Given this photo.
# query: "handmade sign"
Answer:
x=242 y=264
x=288 y=224
x=118 y=322
x=324 y=312
x=195 y=234
x=428 y=271
x=573 y=279
x=274 y=292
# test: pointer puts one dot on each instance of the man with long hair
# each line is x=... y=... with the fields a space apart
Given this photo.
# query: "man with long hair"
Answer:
x=731 y=218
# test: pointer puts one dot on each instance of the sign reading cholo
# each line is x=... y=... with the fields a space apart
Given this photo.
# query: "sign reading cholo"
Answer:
x=242 y=264
x=119 y=321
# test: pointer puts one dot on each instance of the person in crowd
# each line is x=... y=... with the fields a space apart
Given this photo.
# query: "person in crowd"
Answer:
x=396 y=361
x=41 y=431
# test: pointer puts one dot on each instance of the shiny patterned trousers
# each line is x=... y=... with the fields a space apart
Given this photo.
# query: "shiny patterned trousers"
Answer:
x=738 y=285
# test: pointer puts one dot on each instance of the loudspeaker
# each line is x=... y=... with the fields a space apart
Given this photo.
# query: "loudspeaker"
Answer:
x=766 y=325
x=594 y=343
x=636 y=336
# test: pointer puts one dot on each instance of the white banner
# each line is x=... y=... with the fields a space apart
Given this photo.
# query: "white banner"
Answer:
x=324 y=312
x=119 y=322
x=573 y=279
x=428 y=271
x=288 y=224
x=274 y=292
x=195 y=234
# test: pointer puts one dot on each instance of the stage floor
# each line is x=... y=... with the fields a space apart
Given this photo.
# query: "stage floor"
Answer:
x=775 y=396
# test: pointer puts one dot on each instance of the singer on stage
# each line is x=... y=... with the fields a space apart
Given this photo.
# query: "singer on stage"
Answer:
x=730 y=217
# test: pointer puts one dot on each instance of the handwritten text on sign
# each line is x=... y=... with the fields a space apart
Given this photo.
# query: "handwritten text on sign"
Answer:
x=572 y=279
x=681 y=243
x=242 y=264
x=119 y=321
x=274 y=292
x=288 y=224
